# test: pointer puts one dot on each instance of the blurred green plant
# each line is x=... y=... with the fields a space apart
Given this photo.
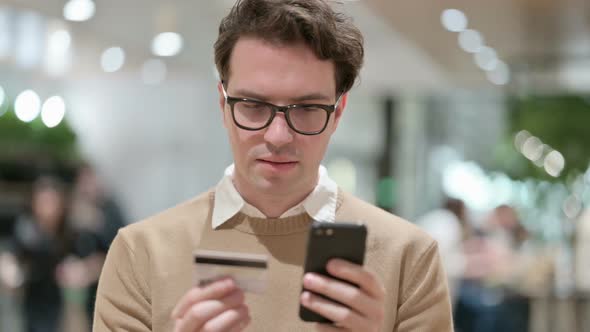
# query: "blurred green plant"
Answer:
x=34 y=140
x=560 y=121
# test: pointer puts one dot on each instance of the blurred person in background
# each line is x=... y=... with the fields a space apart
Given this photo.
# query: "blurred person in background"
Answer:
x=40 y=243
x=449 y=226
x=511 y=256
x=476 y=306
x=502 y=270
x=583 y=253
x=95 y=218
x=582 y=268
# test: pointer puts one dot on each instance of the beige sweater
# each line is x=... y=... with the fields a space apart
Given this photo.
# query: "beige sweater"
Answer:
x=150 y=266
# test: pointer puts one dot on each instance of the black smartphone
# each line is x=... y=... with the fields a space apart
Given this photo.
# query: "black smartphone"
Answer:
x=332 y=240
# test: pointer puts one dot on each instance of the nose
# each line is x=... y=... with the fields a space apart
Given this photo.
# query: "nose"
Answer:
x=278 y=133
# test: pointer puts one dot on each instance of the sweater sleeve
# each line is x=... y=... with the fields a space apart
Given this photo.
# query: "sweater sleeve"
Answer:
x=425 y=302
x=122 y=300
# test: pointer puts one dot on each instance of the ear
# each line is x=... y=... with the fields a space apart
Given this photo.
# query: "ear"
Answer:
x=221 y=97
x=340 y=109
x=221 y=102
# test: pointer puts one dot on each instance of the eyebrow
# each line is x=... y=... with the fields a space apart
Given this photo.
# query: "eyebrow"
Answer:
x=311 y=96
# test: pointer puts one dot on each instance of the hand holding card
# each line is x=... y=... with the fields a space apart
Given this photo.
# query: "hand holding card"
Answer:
x=247 y=270
x=219 y=306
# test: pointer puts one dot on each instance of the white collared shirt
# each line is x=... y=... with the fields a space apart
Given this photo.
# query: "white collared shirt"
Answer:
x=320 y=204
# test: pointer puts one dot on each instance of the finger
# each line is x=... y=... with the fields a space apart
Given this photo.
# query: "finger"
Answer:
x=344 y=293
x=358 y=275
x=227 y=320
x=215 y=290
x=241 y=325
x=328 y=328
x=201 y=312
x=339 y=314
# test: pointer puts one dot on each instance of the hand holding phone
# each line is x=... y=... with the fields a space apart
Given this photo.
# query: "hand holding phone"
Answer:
x=340 y=290
x=331 y=240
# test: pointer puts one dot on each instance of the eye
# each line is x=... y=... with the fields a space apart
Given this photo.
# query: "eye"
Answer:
x=311 y=109
x=252 y=106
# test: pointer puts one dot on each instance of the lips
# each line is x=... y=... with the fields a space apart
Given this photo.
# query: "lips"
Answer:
x=273 y=161
x=277 y=166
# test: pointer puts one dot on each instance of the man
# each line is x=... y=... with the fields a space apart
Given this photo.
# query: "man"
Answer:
x=272 y=55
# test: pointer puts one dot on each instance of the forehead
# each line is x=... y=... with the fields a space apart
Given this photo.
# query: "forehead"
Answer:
x=47 y=193
x=279 y=69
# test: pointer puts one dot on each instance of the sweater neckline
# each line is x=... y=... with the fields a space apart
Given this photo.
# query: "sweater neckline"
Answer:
x=270 y=226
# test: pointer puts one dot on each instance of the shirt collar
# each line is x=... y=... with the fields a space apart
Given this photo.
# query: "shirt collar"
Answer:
x=320 y=204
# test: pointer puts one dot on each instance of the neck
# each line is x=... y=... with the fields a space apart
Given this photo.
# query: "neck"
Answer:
x=271 y=203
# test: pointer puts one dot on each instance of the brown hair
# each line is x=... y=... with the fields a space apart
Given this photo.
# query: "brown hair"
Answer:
x=330 y=35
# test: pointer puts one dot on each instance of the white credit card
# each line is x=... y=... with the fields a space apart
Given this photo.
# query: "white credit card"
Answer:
x=248 y=270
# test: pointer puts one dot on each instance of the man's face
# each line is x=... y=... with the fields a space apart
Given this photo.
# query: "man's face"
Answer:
x=276 y=159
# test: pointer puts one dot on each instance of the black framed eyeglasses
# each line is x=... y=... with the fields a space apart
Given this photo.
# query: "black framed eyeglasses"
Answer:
x=305 y=119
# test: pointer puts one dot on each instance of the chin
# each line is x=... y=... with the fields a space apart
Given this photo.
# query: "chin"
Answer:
x=275 y=184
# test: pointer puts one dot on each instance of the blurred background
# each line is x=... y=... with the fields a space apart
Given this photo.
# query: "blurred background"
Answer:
x=471 y=119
